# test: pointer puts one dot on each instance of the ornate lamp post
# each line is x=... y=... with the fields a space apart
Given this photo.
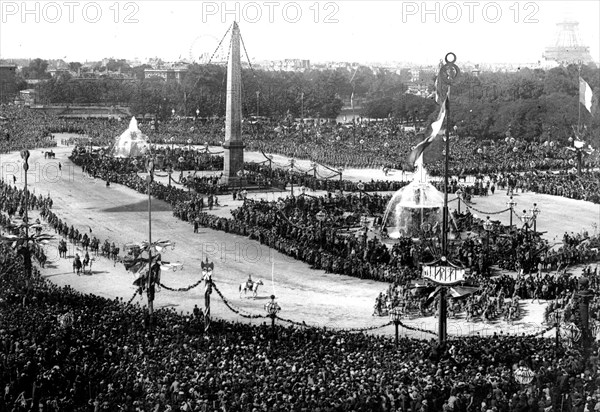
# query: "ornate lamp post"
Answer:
x=459 y=194
x=524 y=375
x=272 y=309
x=487 y=226
x=240 y=175
x=340 y=171
x=257 y=103
x=321 y=218
x=511 y=205
x=26 y=252
x=557 y=317
x=197 y=113
x=291 y=171
x=526 y=220
x=173 y=113
x=395 y=316
x=360 y=187
x=313 y=166
x=170 y=172
x=534 y=214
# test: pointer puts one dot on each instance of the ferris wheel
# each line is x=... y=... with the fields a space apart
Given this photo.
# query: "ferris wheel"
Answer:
x=204 y=47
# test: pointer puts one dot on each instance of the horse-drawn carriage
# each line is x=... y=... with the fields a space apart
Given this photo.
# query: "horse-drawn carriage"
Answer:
x=49 y=155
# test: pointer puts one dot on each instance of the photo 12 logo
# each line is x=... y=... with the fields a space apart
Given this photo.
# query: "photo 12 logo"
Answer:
x=68 y=11
x=270 y=11
x=469 y=12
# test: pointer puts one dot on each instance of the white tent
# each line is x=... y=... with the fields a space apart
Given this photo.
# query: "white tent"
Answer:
x=132 y=142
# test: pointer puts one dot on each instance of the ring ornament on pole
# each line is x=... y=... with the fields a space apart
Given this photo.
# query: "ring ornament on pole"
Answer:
x=448 y=72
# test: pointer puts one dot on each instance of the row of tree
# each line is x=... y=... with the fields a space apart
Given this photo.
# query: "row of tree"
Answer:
x=532 y=104
x=265 y=93
x=528 y=104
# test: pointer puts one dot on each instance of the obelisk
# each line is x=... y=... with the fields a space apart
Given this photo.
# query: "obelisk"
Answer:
x=233 y=145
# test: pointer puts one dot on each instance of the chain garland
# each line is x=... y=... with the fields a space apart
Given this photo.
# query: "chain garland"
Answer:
x=482 y=212
x=540 y=333
x=367 y=328
x=293 y=322
x=237 y=311
x=416 y=329
x=133 y=297
x=181 y=289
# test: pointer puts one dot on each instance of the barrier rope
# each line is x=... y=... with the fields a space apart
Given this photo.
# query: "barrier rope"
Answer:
x=416 y=329
x=368 y=328
x=321 y=176
x=482 y=212
x=293 y=322
x=237 y=311
x=180 y=289
x=132 y=298
x=540 y=333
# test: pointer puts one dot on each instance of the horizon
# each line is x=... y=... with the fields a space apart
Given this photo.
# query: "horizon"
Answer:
x=487 y=32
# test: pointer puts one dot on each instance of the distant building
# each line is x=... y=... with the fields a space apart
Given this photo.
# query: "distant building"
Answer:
x=57 y=72
x=8 y=82
x=167 y=74
x=286 y=65
x=28 y=97
x=568 y=47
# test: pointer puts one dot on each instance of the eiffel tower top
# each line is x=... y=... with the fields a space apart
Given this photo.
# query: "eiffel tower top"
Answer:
x=568 y=47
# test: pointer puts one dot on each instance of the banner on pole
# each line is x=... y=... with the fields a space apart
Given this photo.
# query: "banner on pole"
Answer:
x=444 y=275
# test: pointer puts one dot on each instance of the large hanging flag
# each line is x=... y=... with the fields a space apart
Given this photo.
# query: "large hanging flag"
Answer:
x=436 y=127
x=585 y=94
x=131 y=143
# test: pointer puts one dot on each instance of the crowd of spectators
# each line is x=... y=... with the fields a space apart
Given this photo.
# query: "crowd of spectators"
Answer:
x=21 y=128
x=363 y=144
x=63 y=350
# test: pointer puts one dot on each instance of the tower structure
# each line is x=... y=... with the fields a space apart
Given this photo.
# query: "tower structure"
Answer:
x=233 y=145
x=568 y=47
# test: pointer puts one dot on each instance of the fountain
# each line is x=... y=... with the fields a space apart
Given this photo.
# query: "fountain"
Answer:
x=414 y=207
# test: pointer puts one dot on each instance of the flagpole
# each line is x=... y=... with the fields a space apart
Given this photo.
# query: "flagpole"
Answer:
x=446 y=75
x=579 y=98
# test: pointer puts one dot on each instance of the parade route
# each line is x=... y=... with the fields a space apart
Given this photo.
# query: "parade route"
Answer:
x=120 y=215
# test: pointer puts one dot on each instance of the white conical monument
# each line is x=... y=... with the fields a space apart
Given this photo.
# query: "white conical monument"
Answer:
x=233 y=145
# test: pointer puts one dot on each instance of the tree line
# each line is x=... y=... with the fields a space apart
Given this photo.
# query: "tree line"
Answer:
x=528 y=104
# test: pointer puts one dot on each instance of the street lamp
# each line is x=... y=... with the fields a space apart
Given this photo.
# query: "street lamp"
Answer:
x=340 y=171
x=272 y=309
x=26 y=252
x=292 y=161
x=534 y=214
x=396 y=315
x=240 y=175
x=361 y=187
x=487 y=226
x=459 y=194
x=173 y=112
x=526 y=220
x=197 y=113
x=257 y=105
x=511 y=205
x=557 y=316
x=321 y=218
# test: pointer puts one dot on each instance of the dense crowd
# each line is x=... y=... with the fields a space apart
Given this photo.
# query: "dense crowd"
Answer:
x=62 y=350
x=363 y=144
x=24 y=129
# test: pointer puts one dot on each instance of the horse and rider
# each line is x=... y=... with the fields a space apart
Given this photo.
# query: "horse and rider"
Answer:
x=250 y=285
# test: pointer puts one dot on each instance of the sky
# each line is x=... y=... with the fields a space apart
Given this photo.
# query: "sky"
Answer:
x=347 y=31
